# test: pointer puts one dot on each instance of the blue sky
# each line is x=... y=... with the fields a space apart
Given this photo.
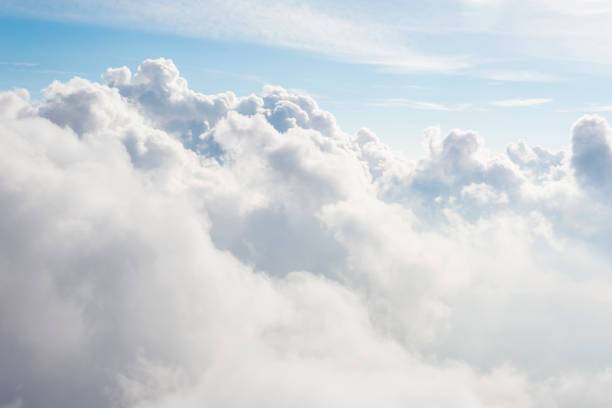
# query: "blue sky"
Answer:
x=510 y=73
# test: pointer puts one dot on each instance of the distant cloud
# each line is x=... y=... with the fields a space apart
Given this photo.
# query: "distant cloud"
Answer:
x=422 y=105
x=601 y=108
x=18 y=64
x=592 y=153
x=521 y=76
x=446 y=107
x=521 y=103
x=35 y=68
x=588 y=109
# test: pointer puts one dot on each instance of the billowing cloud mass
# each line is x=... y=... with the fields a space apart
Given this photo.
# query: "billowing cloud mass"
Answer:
x=164 y=248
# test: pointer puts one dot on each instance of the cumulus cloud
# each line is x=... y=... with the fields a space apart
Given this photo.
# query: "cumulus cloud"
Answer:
x=592 y=158
x=161 y=248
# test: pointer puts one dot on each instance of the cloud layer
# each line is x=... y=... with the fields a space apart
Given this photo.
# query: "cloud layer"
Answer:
x=313 y=26
x=164 y=248
x=496 y=39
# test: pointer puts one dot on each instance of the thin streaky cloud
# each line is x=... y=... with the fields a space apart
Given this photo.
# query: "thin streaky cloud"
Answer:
x=421 y=105
x=237 y=75
x=521 y=103
x=53 y=72
x=591 y=109
x=386 y=37
x=36 y=68
x=304 y=27
x=521 y=76
x=601 y=108
x=18 y=64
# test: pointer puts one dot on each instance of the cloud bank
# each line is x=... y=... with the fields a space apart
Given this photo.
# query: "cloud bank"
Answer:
x=163 y=248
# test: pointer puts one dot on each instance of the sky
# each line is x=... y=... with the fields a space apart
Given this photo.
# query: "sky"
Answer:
x=305 y=204
x=508 y=70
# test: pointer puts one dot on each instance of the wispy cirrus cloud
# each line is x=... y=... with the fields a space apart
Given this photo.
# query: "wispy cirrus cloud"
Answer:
x=18 y=64
x=420 y=105
x=448 y=107
x=305 y=26
x=521 y=103
x=398 y=37
x=600 y=108
x=591 y=109
x=521 y=76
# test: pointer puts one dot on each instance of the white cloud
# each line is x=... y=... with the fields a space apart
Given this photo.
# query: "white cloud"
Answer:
x=512 y=40
x=304 y=26
x=161 y=248
x=521 y=76
x=521 y=103
x=588 y=109
x=598 y=108
x=19 y=64
x=592 y=158
x=571 y=33
x=421 y=105
x=498 y=39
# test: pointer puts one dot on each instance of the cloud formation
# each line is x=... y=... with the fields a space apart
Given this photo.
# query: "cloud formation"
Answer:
x=521 y=103
x=313 y=26
x=420 y=105
x=501 y=40
x=164 y=248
